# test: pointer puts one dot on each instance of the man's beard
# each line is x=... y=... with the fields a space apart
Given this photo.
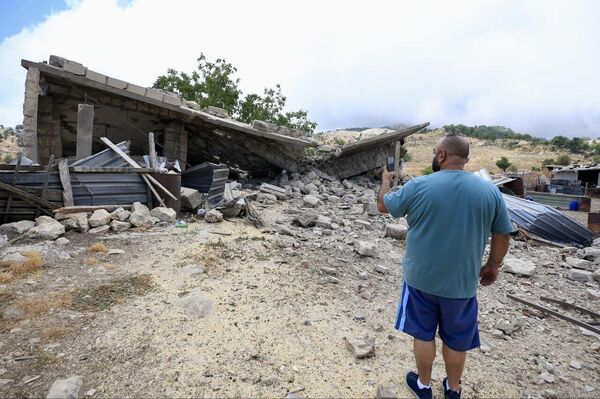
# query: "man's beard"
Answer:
x=435 y=166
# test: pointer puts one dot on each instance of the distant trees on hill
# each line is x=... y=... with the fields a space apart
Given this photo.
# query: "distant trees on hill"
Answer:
x=491 y=133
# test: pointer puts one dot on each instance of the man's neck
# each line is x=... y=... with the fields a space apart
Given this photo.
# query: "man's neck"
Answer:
x=453 y=166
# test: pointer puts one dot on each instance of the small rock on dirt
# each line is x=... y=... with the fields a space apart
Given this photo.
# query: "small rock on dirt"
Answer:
x=579 y=263
x=120 y=214
x=119 y=226
x=77 y=222
x=142 y=219
x=361 y=347
x=12 y=313
x=386 y=392
x=381 y=269
x=365 y=248
x=115 y=251
x=13 y=258
x=61 y=241
x=213 y=216
x=575 y=364
x=519 y=267
x=195 y=305
x=547 y=377
x=99 y=230
x=397 y=231
x=310 y=201
x=307 y=219
x=140 y=208
x=580 y=275
x=65 y=388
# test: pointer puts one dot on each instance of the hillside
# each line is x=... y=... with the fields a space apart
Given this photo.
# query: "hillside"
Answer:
x=484 y=154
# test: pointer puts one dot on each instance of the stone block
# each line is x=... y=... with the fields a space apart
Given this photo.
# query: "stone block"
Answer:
x=116 y=83
x=519 y=267
x=216 y=111
x=190 y=198
x=365 y=248
x=74 y=67
x=154 y=94
x=397 y=231
x=57 y=61
x=311 y=201
x=96 y=77
x=279 y=192
x=583 y=276
x=136 y=89
x=172 y=99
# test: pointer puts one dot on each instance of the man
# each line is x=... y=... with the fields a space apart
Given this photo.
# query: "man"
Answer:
x=450 y=214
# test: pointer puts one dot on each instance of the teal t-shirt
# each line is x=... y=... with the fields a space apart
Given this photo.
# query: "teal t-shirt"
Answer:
x=450 y=215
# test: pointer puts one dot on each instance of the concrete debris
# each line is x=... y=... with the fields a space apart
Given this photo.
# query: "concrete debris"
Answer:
x=118 y=226
x=99 y=218
x=310 y=201
x=13 y=258
x=140 y=208
x=324 y=222
x=361 y=347
x=99 y=229
x=397 y=231
x=519 y=267
x=307 y=219
x=213 y=216
x=196 y=305
x=381 y=269
x=583 y=276
x=365 y=248
x=142 y=218
x=190 y=199
x=280 y=193
x=164 y=214
x=580 y=263
x=266 y=198
x=67 y=388
x=61 y=241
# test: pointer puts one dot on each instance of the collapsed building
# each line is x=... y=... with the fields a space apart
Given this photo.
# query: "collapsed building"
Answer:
x=73 y=113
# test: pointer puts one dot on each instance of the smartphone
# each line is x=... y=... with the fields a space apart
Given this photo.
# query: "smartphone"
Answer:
x=390 y=163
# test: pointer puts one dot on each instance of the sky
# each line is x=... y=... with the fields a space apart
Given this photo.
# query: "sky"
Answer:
x=533 y=66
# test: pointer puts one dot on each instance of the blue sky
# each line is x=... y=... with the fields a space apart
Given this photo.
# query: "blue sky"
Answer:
x=529 y=65
x=20 y=14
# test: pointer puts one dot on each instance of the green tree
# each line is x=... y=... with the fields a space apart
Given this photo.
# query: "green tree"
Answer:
x=548 y=161
x=427 y=170
x=503 y=163
x=563 y=160
x=214 y=83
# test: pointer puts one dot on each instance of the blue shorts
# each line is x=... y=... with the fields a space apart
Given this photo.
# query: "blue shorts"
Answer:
x=419 y=315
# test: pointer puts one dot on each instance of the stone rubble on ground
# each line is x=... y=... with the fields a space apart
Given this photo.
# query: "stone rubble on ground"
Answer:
x=361 y=347
x=213 y=216
x=67 y=388
x=519 y=267
x=100 y=217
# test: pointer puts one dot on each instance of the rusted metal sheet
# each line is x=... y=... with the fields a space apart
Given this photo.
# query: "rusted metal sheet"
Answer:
x=593 y=222
x=208 y=178
x=171 y=182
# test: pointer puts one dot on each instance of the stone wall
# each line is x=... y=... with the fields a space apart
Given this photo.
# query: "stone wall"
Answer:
x=30 y=110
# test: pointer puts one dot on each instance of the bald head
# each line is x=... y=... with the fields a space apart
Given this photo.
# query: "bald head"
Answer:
x=455 y=146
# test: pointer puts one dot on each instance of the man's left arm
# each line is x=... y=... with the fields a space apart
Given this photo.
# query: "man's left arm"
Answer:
x=386 y=184
x=501 y=227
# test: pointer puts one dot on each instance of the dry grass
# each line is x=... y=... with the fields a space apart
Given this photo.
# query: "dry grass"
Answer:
x=52 y=333
x=207 y=258
x=5 y=277
x=114 y=292
x=90 y=261
x=98 y=247
x=41 y=305
x=33 y=263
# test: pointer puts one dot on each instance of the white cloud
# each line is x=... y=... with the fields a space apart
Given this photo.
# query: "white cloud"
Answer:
x=528 y=65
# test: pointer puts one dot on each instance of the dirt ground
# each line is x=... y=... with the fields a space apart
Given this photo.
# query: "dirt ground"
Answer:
x=278 y=319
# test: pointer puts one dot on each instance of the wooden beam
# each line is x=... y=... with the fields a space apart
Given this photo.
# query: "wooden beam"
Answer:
x=28 y=197
x=160 y=200
x=14 y=182
x=65 y=179
x=89 y=208
x=135 y=165
x=397 y=162
x=46 y=177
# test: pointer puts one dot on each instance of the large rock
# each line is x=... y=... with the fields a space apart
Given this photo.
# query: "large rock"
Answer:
x=583 y=276
x=324 y=222
x=140 y=208
x=278 y=192
x=310 y=201
x=386 y=392
x=142 y=219
x=519 y=267
x=307 y=219
x=100 y=217
x=365 y=248
x=65 y=388
x=195 y=305
x=580 y=263
x=99 y=229
x=397 y=231
x=213 y=216
x=361 y=347
x=190 y=198
x=47 y=229
x=17 y=227
x=596 y=275
x=118 y=226
x=120 y=214
x=164 y=214
x=76 y=221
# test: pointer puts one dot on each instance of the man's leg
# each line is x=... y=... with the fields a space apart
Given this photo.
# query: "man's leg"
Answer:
x=455 y=363
x=424 y=356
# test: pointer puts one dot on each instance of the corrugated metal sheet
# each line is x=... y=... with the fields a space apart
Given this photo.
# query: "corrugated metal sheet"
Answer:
x=106 y=158
x=207 y=178
x=547 y=222
x=108 y=188
x=555 y=200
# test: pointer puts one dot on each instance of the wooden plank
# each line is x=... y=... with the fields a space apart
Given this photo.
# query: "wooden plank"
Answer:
x=65 y=179
x=135 y=165
x=28 y=197
x=152 y=152
x=14 y=182
x=23 y=168
x=160 y=200
x=45 y=186
x=89 y=208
